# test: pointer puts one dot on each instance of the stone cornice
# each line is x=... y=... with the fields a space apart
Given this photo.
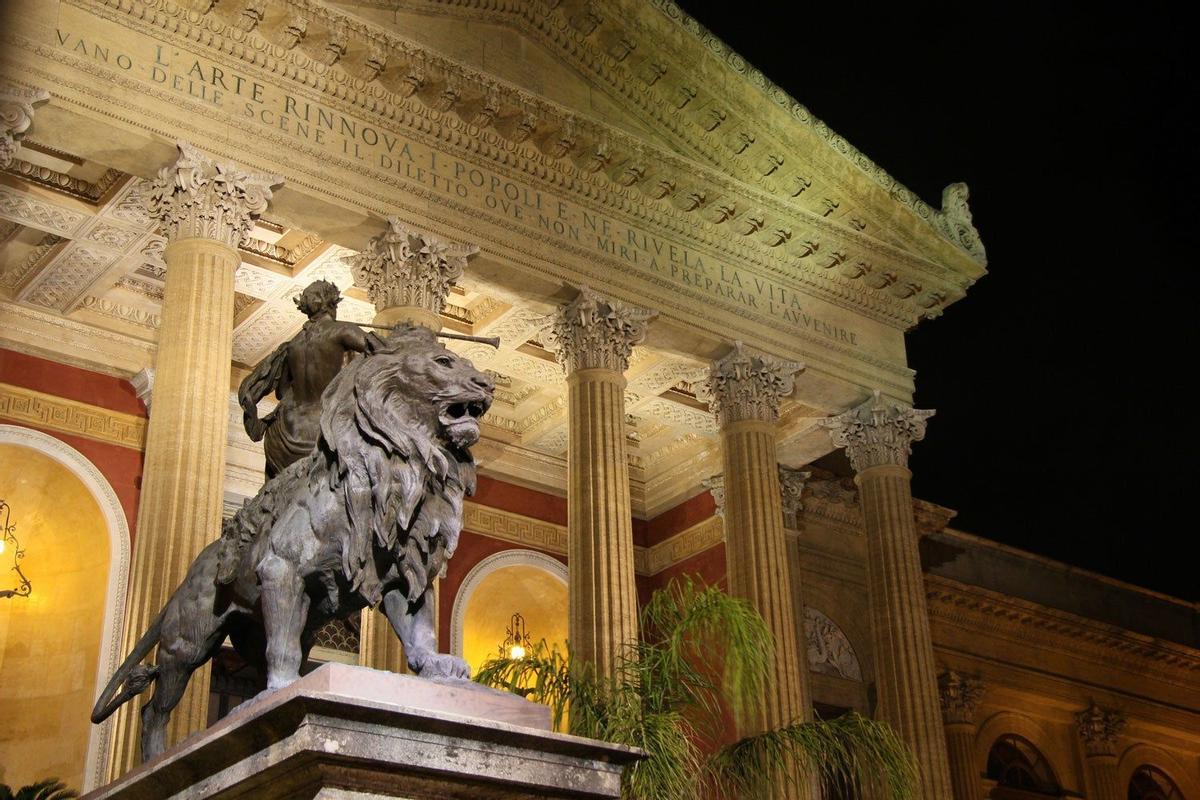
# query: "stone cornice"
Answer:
x=51 y=412
x=1028 y=624
x=846 y=267
x=745 y=126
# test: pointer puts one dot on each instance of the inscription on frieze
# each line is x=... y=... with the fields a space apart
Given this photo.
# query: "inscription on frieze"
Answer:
x=286 y=111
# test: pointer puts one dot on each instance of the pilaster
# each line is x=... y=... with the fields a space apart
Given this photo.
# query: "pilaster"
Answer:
x=1099 y=729
x=744 y=390
x=205 y=208
x=408 y=274
x=593 y=337
x=960 y=695
x=878 y=437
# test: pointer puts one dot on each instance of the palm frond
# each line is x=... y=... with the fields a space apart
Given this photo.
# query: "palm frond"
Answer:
x=850 y=751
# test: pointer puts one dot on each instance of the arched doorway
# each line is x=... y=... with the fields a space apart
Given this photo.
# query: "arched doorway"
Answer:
x=510 y=582
x=57 y=644
x=1020 y=771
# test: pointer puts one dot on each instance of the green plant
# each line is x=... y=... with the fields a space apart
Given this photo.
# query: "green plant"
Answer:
x=704 y=653
x=48 y=789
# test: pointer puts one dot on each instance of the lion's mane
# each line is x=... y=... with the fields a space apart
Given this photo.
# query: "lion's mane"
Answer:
x=399 y=484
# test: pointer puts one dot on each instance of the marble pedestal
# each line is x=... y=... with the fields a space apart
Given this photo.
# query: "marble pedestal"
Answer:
x=352 y=732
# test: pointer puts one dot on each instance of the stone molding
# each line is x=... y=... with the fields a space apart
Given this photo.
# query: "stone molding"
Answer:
x=748 y=385
x=596 y=332
x=70 y=416
x=16 y=115
x=1028 y=624
x=406 y=268
x=198 y=197
x=960 y=696
x=887 y=282
x=1099 y=728
x=878 y=432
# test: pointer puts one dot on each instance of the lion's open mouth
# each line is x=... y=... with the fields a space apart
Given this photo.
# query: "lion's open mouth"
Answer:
x=460 y=420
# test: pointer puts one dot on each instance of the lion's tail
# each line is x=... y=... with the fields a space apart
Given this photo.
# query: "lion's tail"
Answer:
x=132 y=677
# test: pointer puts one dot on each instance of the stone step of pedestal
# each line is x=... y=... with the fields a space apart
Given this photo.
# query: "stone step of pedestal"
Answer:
x=353 y=732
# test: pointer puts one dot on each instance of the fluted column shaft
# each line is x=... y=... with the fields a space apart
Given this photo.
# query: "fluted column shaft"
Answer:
x=1098 y=729
x=179 y=510
x=878 y=437
x=603 y=596
x=744 y=390
x=960 y=696
x=593 y=337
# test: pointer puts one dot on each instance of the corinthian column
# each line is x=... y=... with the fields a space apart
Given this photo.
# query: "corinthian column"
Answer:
x=960 y=696
x=744 y=390
x=1099 y=729
x=205 y=209
x=592 y=337
x=878 y=438
x=408 y=274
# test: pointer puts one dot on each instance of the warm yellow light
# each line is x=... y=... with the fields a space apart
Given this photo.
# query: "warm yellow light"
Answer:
x=1 y=546
x=516 y=651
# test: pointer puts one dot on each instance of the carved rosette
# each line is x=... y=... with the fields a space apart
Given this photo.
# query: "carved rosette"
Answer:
x=403 y=267
x=16 y=115
x=747 y=385
x=791 y=488
x=594 y=332
x=716 y=487
x=1099 y=728
x=199 y=198
x=878 y=432
x=960 y=695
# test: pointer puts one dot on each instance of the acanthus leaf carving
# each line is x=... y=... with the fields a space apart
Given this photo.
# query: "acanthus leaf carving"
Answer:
x=878 y=432
x=1099 y=728
x=403 y=267
x=595 y=332
x=748 y=385
x=959 y=695
x=16 y=115
x=197 y=197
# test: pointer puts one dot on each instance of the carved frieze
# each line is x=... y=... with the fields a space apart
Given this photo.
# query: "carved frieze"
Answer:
x=406 y=268
x=959 y=695
x=745 y=385
x=197 y=197
x=596 y=332
x=878 y=432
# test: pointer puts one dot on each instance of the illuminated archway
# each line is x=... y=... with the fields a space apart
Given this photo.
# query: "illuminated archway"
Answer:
x=76 y=538
x=512 y=581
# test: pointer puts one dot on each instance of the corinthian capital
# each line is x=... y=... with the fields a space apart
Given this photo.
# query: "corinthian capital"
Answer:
x=593 y=332
x=1099 y=729
x=197 y=197
x=16 y=115
x=960 y=695
x=791 y=490
x=406 y=268
x=748 y=385
x=878 y=432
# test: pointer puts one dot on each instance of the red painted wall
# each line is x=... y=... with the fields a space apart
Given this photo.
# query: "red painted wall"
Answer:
x=120 y=466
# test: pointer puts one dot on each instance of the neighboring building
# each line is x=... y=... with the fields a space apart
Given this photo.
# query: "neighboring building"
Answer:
x=701 y=294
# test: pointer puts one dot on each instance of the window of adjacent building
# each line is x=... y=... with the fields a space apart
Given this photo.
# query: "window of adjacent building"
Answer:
x=1019 y=770
x=1149 y=783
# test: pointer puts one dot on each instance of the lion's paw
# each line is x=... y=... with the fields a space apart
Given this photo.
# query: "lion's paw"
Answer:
x=441 y=665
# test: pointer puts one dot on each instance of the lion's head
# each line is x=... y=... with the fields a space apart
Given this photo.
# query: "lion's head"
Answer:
x=396 y=426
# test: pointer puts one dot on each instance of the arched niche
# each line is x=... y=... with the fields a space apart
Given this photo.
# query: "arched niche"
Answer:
x=1010 y=723
x=1146 y=755
x=68 y=631
x=524 y=581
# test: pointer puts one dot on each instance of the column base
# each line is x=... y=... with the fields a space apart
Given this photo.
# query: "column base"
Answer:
x=352 y=732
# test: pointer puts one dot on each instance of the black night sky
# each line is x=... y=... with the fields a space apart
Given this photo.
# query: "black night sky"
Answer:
x=1066 y=423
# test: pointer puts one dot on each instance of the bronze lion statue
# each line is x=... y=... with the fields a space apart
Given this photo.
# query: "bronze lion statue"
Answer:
x=369 y=517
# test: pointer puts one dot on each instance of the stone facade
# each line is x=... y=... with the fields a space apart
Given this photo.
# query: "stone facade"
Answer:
x=688 y=316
